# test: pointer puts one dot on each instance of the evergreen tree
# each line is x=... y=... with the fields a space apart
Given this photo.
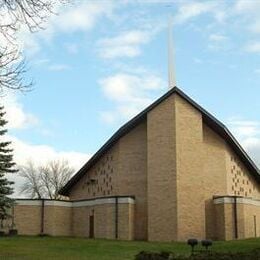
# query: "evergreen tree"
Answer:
x=6 y=166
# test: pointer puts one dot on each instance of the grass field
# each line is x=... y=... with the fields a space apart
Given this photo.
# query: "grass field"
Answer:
x=23 y=247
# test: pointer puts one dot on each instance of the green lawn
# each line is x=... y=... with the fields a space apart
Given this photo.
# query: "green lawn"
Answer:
x=24 y=247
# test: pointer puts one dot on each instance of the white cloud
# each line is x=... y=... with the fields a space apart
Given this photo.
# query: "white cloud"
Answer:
x=59 y=67
x=16 y=116
x=29 y=43
x=248 y=134
x=107 y=117
x=82 y=17
x=249 y=7
x=126 y=44
x=252 y=146
x=250 y=10
x=253 y=47
x=218 y=42
x=41 y=154
x=79 y=17
x=243 y=128
x=130 y=93
x=217 y=37
x=189 y=10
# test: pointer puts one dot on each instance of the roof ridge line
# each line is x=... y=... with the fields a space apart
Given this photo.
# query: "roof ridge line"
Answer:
x=223 y=130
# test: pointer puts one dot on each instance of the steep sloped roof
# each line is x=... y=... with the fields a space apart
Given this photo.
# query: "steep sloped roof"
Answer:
x=209 y=119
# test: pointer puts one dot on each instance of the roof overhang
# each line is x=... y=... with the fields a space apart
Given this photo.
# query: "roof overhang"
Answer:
x=209 y=119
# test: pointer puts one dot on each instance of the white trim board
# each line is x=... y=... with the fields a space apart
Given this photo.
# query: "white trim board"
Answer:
x=230 y=200
x=83 y=203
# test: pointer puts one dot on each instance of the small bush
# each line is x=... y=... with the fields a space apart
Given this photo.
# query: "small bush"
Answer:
x=252 y=255
x=153 y=256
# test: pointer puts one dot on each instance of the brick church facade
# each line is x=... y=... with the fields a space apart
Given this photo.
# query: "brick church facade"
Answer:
x=171 y=173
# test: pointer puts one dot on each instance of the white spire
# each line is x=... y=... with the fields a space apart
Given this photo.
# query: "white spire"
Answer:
x=171 y=67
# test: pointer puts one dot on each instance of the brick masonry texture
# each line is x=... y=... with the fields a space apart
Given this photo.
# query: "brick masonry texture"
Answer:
x=175 y=165
x=67 y=220
x=161 y=171
x=248 y=217
x=27 y=219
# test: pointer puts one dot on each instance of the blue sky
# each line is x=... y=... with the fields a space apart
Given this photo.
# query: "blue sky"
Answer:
x=100 y=62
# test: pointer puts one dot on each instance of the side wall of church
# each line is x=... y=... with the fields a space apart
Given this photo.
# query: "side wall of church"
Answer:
x=240 y=181
x=28 y=216
x=27 y=219
x=103 y=175
x=132 y=175
x=247 y=213
x=65 y=218
x=206 y=167
x=121 y=171
x=104 y=221
x=214 y=176
x=58 y=220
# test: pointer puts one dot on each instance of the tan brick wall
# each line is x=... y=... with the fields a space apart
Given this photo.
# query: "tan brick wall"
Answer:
x=161 y=171
x=27 y=219
x=58 y=220
x=219 y=232
x=214 y=181
x=240 y=181
x=123 y=168
x=126 y=216
x=190 y=175
x=80 y=221
x=227 y=227
x=252 y=221
x=132 y=175
x=203 y=170
x=104 y=221
x=105 y=172
x=248 y=219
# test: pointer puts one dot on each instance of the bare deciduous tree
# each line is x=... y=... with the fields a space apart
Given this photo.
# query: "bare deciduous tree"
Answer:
x=45 y=181
x=32 y=185
x=15 y=14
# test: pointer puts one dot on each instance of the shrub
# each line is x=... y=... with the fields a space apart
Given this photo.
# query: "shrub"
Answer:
x=153 y=256
x=252 y=255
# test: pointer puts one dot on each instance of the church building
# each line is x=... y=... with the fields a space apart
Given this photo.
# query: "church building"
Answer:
x=171 y=173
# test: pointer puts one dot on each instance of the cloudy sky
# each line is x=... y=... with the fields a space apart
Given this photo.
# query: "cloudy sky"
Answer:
x=100 y=62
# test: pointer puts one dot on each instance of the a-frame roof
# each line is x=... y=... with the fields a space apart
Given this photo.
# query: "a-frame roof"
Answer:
x=210 y=120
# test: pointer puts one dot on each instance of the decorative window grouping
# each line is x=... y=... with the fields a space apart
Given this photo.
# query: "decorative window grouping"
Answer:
x=99 y=181
x=241 y=183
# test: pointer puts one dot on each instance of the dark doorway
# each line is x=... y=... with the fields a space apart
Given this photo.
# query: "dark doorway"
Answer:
x=91 y=226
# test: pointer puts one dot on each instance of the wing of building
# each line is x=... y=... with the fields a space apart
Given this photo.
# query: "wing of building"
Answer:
x=171 y=173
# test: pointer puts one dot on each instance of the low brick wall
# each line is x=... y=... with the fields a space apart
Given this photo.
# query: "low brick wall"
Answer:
x=237 y=217
x=110 y=217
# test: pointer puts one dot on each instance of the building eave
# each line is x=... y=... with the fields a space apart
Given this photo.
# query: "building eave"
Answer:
x=209 y=119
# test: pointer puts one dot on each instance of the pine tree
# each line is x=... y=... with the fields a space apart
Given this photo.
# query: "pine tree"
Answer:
x=6 y=166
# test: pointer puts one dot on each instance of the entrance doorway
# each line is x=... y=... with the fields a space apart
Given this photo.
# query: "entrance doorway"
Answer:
x=91 y=226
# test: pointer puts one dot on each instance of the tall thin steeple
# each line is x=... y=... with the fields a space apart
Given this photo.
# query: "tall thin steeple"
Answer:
x=171 y=67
